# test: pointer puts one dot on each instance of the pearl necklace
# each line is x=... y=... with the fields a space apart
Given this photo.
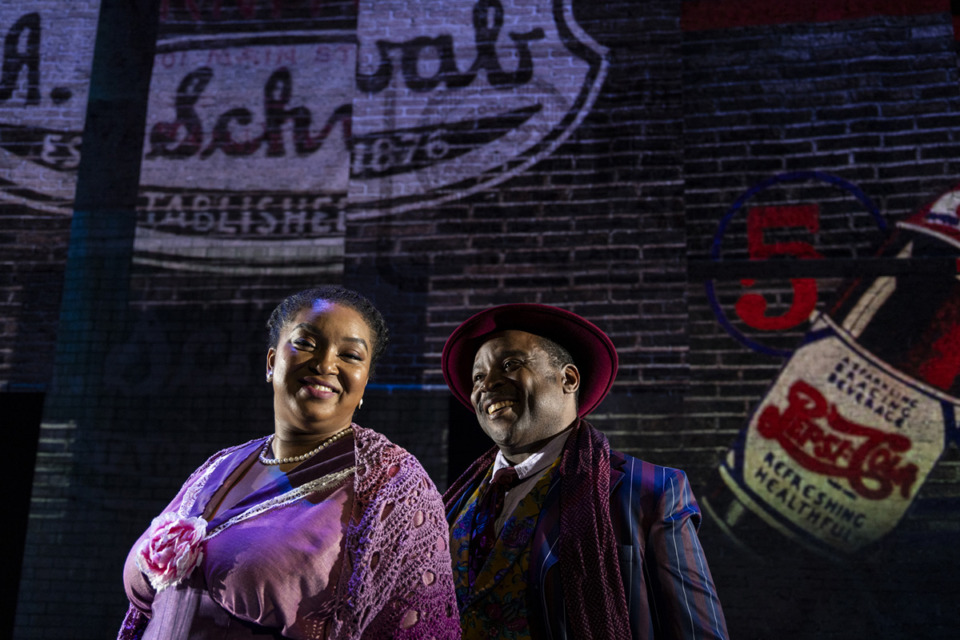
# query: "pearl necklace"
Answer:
x=309 y=454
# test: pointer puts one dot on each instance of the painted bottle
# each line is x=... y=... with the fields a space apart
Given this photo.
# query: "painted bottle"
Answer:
x=841 y=443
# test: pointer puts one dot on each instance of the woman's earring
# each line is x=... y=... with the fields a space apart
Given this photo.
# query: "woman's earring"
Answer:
x=360 y=406
x=270 y=377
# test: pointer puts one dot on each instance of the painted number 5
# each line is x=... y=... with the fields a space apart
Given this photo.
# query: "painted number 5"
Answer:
x=752 y=307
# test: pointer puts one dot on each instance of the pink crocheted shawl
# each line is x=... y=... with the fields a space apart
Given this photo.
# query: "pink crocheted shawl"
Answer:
x=401 y=585
x=397 y=581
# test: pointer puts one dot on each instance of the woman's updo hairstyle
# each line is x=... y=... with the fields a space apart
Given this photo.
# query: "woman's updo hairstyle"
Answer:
x=293 y=304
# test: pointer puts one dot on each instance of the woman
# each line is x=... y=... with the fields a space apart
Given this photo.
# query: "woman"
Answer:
x=324 y=529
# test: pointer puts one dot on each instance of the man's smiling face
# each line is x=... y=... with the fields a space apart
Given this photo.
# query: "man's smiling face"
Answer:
x=521 y=396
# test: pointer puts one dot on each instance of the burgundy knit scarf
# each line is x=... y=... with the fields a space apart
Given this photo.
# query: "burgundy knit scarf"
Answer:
x=593 y=593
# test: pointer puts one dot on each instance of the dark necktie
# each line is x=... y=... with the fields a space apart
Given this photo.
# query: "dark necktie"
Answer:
x=485 y=516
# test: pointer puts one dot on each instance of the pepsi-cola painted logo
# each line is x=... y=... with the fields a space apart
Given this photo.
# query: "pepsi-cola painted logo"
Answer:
x=813 y=432
x=260 y=143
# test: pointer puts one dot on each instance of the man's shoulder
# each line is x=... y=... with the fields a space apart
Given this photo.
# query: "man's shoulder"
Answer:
x=626 y=462
x=639 y=472
x=645 y=489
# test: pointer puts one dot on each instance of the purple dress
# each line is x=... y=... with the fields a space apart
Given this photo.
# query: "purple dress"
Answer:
x=350 y=544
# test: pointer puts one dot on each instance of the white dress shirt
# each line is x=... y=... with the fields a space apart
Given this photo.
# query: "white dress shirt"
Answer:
x=529 y=471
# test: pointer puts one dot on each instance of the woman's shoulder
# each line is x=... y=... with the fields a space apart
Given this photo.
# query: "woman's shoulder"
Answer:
x=374 y=444
x=244 y=449
x=382 y=462
x=245 y=446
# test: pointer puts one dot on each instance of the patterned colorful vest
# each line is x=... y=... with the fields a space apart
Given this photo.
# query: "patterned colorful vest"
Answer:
x=499 y=597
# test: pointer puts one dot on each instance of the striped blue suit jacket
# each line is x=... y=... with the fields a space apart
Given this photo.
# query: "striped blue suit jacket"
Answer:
x=669 y=589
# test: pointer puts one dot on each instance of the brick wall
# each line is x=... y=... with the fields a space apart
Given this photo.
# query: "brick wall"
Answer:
x=44 y=86
x=872 y=102
x=43 y=99
x=569 y=231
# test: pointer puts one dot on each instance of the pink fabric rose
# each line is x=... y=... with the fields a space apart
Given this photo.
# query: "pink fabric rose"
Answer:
x=172 y=549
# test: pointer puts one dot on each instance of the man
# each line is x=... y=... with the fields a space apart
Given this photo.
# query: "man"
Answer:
x=553 y=535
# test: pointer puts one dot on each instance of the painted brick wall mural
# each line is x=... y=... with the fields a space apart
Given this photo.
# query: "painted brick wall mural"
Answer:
x=757 y=203
x=44 y=83
x=236 y=180
x=45 y=61
x=817 y=139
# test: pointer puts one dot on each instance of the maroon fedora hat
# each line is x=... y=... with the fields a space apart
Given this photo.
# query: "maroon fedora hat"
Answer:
x=592 y=350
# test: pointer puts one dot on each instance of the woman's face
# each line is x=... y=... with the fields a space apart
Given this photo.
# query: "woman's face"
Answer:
x=320 y=368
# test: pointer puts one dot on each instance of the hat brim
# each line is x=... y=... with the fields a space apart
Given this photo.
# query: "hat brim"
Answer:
x=592 y=350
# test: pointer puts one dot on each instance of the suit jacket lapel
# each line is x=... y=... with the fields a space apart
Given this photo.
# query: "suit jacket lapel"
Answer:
x=617 y=461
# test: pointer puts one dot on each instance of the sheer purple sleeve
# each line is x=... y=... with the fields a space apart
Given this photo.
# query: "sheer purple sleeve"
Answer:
x=134 y=624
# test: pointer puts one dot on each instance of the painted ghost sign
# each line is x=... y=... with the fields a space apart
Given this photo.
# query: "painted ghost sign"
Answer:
x=781 y=218
x=47 y=54
x=461 y=104
x=839 y=447
x=261 y=141
x=245 y=162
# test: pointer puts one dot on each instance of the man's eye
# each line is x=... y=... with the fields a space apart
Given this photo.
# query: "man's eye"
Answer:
x=510 y=365
x=477 y=377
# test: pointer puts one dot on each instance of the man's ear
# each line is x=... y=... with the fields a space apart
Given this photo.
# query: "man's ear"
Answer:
x=571 y=378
